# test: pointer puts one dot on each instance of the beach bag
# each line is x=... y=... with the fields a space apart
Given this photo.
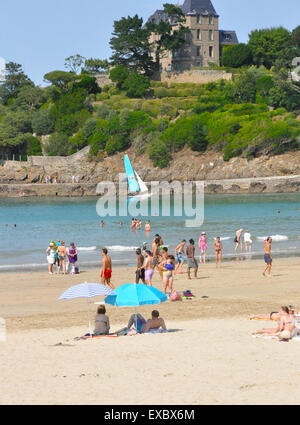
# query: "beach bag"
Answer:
x=175 y=296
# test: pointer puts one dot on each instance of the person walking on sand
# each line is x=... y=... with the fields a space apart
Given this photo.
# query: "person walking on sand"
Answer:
x=62 y=254
x=268 y=257
x=218 y=247
x=106 y=269
x=140 y=272
x=168 y=267
x=238 y=240
x=191 y=260
x=148 y=266
x=155 y=250
x=179 y=251
x=202 y=243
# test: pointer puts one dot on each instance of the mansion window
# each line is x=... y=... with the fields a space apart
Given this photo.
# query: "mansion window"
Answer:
x=198 y=35
x=211 y=51
x=210 y=20
x=198 y=51
x=198 y=19
x=210 y=35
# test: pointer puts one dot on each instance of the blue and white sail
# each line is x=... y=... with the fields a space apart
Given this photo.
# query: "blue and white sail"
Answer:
x=136 y=184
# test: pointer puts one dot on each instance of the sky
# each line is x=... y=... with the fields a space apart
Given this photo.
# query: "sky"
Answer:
x=40 y=35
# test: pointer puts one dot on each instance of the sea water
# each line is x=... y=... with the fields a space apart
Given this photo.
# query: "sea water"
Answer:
x=40 y=220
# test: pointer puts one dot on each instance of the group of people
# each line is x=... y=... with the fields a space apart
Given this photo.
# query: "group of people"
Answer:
x=136 y=324
x=247 y=240
x=58 y=253
x=137 y=225
x=49 y=179
x=286 y=323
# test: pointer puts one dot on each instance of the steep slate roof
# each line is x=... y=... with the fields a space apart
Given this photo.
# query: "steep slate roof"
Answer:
x=202 y=7
x=228 y=37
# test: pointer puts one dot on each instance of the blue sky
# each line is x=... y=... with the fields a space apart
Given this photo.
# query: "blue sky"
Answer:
x=40 y=34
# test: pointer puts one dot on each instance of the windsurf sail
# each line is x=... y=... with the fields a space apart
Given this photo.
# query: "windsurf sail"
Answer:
x=141 y=184
x=132 y=182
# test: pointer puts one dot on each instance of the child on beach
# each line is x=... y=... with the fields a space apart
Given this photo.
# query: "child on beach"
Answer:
x=72 y=255
x=51 y=252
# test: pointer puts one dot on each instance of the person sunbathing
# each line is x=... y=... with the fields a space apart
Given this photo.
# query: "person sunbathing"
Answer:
x=275 y=315
x=143 y=326
x=286 y=325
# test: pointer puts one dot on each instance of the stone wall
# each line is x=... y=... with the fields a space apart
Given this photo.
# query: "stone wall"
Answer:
x=53 y=161
x=195 y=76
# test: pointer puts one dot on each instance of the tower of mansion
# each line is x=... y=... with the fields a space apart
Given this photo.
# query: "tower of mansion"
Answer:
x=204 y=43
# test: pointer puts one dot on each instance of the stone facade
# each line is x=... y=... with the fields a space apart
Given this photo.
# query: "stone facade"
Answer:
x=195 y=76
x=204 y=43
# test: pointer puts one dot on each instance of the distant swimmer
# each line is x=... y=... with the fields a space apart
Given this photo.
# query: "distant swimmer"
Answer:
x=278 y=212
x=133 y=224
x=102 y=223
x=121 y=223
x=268 y=257
x=148 y=226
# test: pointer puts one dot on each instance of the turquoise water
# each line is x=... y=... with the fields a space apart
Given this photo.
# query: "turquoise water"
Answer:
x=75 y=220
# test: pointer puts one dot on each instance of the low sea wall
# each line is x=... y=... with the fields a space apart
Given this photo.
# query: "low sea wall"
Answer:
x=284 y=184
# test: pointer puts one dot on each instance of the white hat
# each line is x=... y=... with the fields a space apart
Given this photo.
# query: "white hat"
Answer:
x=284 y=335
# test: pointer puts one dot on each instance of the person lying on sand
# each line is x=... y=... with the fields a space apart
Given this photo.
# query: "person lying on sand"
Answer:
x=144 y=326
x=274 y=315
x=287 y=323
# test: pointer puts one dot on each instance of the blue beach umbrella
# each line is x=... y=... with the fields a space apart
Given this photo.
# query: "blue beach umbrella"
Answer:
x=133 y=295
x=86 y=290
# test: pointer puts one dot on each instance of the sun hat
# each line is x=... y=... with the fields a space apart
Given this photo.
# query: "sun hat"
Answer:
x=284 y=335
x=203 y=233
x=51 y=244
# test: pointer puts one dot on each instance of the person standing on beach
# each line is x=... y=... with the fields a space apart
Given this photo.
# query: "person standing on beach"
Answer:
x=106 y=269
x=179 y=251
x=148 y=267
x=238 y=240
x=50 y=257
x=191 y=260
x=140 y=272
x=202 y=243
x=155 y=250
x=268 y=257
x=72 y=254
x=248 y=241
x=62 y=254
x=218 y=247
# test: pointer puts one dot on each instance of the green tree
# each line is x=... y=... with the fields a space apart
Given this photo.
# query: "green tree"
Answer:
x=15 y=80
x=96 y=66
x=30 y=97
x=131 y=46
x=244 y=89
x=268 y=45
x=118 y=75
x=136 y=85
x=284 y=95
x=57 y=145
x=74 y=63
x=88 y=83
x=186 y=131
x=42 y=122
x=159 y=153
x=296 y=37
x=237 y=55
x=60 y=79
x=33 y=146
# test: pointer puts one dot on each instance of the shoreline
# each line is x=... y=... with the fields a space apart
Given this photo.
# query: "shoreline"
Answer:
x=255 y=185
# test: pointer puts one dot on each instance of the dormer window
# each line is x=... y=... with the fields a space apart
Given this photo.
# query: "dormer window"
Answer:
x=198 y=19
x=210 y=20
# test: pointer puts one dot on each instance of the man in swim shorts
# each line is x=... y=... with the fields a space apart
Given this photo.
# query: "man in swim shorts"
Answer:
x=140 y=272
x=268 y=257
x=106 y=269
x=191 y=260
x=179 y=250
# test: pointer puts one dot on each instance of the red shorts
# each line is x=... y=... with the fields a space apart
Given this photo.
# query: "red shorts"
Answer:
x=107 y=274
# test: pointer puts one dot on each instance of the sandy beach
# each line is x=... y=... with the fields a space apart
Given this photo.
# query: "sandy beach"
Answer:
x=212 y=359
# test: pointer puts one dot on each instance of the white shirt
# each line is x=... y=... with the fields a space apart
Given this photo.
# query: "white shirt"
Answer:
x=247 y=237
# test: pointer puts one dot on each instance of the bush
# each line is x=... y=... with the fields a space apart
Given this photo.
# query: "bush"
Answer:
x=136 y=85
x=186 y=131
x=33 y=146
x=116 y=143
x=237 y=55
x=118 y=75
x=89 y=128
x=57 y=145
x=159 y=153
x=77 y=142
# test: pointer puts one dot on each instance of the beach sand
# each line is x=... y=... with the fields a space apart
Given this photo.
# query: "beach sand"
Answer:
x=212 y=359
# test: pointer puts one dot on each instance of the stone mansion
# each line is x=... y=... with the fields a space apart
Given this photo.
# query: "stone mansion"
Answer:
x=204 y=43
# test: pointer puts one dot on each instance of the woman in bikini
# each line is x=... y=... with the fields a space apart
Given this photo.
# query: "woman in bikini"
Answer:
x=284 y=316
x=168 y=274
x=218 y=247
x=62 y=254
x=274 y=315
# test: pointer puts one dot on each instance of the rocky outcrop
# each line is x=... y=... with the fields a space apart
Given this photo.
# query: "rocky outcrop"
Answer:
x=235 y=176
